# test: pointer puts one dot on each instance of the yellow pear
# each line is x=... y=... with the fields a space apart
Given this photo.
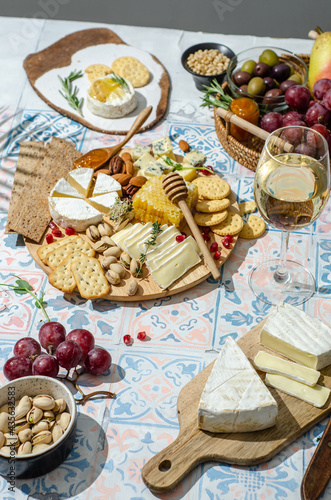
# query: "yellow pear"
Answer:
x=320 y=59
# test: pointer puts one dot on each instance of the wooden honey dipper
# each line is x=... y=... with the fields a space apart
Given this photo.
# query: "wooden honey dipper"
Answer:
x=176 y=190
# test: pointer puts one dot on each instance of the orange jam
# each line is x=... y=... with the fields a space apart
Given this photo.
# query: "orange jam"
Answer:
x=248 y=110
x=92 y=159
x=101 y=89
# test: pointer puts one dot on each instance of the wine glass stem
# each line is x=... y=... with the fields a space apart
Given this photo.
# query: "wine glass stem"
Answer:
x=281 y=275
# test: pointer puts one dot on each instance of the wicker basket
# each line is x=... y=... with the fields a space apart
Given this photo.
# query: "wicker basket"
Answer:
x=248 y=153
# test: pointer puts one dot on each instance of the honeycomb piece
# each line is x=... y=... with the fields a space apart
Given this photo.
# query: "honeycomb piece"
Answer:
x=151 y=203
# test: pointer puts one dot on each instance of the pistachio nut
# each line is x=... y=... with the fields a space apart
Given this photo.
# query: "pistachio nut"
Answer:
x=44 y=402
x=23 y=407
x=21 y=426
x=105 y=229
x=125 y=259
x=112 y=277
x=100 y=246
x=39 y=447
x=118 y=268
x=92 y=233
x=112 y=251
x=11 y=439
x=4 y=420
x=2 y=439
x=25 y=448
x=108 y=241
x=42 y=437
x=6 y=449
x=60 y=405
x=63 y=420
x=135 y=266
x=57 y=432
x=34 y=415
x=25 y=435
x=131 y=287
x=42 y=425
x=48 y=415
x=107 y=261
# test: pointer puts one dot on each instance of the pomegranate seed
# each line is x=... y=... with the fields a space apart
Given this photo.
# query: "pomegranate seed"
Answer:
x=206 y=236
x=184 y=234
x=217 y=255
x=52 y=225
x=180 y=238
x=57 y=233
x=141 y=336
x=206 y=172
x=213 y=247
x=226 y=244
x=229 y=237
x=70 y=231
x=206 y=229
x=49 y=238
x=127 y=339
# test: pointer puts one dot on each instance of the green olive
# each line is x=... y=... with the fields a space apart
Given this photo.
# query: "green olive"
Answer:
x=248 y=66
x=296 y=78
x=269 y=57
x=256 y=86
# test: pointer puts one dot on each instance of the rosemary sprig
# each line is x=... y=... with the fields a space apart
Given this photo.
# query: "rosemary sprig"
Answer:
x=119 y=79
x=151 y=242
x=178 y=166
x=215 y=96
x=23 y=287
x=70 y=93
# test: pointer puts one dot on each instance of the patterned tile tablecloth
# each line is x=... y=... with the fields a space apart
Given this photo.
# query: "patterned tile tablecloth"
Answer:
x=115 y=438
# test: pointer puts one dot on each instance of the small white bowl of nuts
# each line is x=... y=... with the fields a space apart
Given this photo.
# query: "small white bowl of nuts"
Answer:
x=206 y=61
x=38 y=419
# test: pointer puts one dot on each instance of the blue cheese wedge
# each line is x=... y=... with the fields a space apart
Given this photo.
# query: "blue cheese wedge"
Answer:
x=162 y=146
x=81 y=179
x=106 y=184
x=104 y=202
x=234 y=398
x=317 y=395
x=268 y=363
x=144 y=161
x=73 y=212
x=152 y=170
x=194 y=158
x=165 y=167
x=63 y=188
x=304 y=339
x=139 y=151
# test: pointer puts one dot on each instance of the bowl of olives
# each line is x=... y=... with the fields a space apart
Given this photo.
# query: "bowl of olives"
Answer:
x=264 y=74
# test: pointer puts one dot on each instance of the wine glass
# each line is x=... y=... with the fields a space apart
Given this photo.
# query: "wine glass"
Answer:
x=291 y=189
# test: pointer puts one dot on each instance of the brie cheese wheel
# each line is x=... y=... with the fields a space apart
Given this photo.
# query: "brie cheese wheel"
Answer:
x=290 y=331
x=110 y=99
x=106 y=184
x=63 y=188
x=73 y=212
x=235 y=399
x=81 y=179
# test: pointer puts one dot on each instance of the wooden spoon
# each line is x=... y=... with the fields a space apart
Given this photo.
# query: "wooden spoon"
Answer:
x=176 y=190
x=98 y=157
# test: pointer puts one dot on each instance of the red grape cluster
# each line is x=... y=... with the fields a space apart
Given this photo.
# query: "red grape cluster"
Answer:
x=77 y=348
x=305 y=111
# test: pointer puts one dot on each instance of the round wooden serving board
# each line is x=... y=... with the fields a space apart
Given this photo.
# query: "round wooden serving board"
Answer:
x=95 y=46
x=148 y=289
x=194 y=446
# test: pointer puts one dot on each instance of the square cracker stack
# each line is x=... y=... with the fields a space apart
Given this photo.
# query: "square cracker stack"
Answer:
x=39 y=167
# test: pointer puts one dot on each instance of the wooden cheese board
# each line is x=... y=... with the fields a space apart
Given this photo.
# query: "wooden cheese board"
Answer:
x=193 y=446
x=78 y=51
x=148 y=289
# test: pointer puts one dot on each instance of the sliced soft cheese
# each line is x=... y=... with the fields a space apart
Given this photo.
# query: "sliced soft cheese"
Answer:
x=81 y=179
x=117 y=237
x=298 y=336
x=120 y=237
x=317 y=395
x=161 y=252
x=139 y=151
x=131 y=243
x=104 y=202
x=266 y=362
x=106 y=184
x=63 y=188
x=234 y=398
x=168 y=233
x=179 y=261
x=73 y=212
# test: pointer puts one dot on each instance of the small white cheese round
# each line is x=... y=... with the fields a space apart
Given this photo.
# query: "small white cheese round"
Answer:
x=115 y=106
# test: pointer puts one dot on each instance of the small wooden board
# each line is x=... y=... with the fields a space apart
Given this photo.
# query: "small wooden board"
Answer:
x=193 y=446
x=60 y=55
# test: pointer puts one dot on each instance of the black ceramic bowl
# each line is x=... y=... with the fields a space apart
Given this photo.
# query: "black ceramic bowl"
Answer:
x=201 y=80
x=37 y=464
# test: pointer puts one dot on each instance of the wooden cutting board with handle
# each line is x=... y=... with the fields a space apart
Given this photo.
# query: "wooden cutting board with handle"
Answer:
x=193 y=446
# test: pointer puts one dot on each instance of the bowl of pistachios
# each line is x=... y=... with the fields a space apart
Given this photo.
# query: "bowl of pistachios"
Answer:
x=38 y=420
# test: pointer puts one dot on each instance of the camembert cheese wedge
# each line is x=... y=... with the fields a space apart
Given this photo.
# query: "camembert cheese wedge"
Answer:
x=234 y=398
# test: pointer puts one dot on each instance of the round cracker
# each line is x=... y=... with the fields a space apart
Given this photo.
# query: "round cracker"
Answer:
x=210 y=219
x=212 y=188
x=247 y=207
x=132 y=69
x=254 y=227
x=211 y=206
x=97 y=71
x=232 y=225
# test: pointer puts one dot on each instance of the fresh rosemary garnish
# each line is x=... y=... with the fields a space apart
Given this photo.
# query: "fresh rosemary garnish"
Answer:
x=120 y=209
x=151 y=242
x=178 y=166
x=215 y=96
x=23 y=287
x=119 y=79
x=70 y=93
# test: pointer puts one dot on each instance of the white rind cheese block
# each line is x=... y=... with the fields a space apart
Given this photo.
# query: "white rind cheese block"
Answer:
x=106 y=184
x=234 y=398
x=81 y=179
x=73 y=212
x=63 y=188
x=316 y=396
x=116 y=106
x=268 y=363
x=298 y=336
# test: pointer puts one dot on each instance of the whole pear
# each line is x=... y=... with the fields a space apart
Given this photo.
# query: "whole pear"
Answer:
x=320 y=59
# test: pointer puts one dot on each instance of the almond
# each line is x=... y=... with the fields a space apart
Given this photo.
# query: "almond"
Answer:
x=138 y=181
x=126 y=157
x=101 y=171
x=184 y=146
x=129 y=168
x=123 y=179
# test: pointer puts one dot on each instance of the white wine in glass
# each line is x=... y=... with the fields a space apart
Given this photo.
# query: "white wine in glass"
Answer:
x=291 y=189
